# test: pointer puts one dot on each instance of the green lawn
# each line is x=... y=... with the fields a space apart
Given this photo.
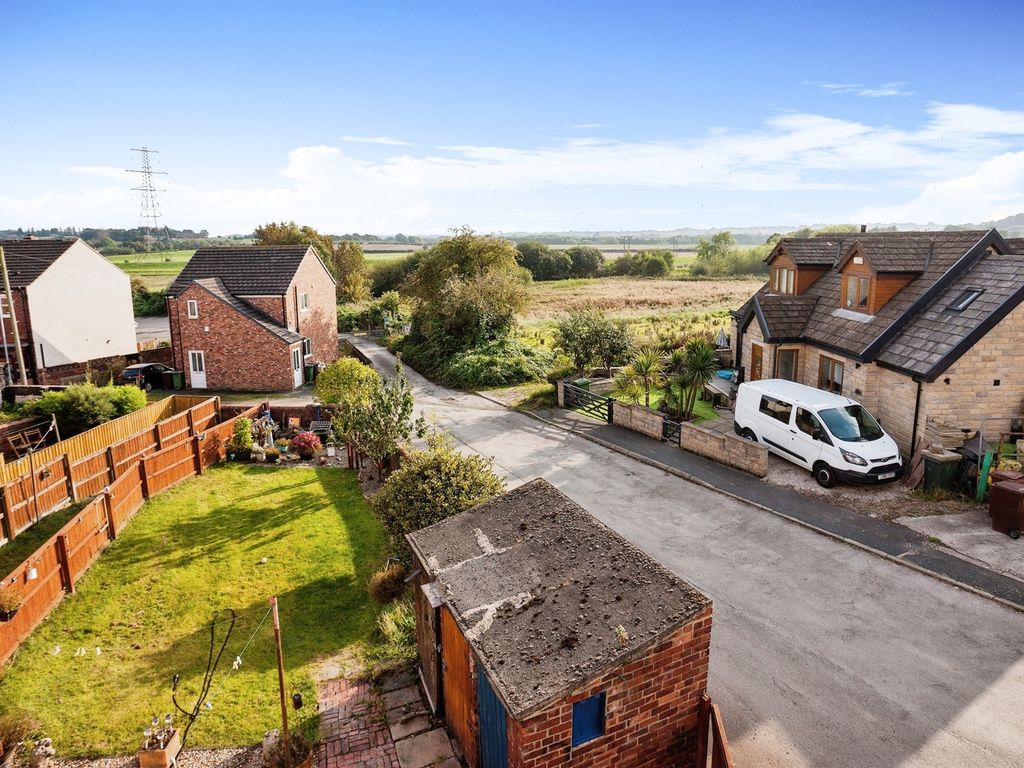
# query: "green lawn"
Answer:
x=147 y=603
x=702 y=410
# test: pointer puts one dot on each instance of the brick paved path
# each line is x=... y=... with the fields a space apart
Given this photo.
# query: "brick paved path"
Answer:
x=353 y=727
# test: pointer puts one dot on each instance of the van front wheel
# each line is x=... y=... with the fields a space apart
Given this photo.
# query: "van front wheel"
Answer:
x=748 y=434
x=824 y=474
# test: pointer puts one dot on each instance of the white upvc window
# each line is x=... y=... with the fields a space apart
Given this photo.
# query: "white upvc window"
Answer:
x=307 y=347
x=303 y=302
x=193 y=309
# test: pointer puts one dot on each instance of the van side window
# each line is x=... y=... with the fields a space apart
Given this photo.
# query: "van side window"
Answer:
x=777 y=409
x=806 y=422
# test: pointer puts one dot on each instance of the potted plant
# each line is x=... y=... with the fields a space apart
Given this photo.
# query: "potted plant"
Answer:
x=240 y=444
x=272 y=454
x=161 y=744
x=306 y=444
x=282 y=444
x=11 y=598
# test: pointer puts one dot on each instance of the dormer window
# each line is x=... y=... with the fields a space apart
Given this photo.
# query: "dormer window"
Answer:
x=783 y=280
x=856 y=292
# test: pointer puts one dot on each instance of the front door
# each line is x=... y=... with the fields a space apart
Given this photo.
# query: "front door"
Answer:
x=297 y=367
x=756 y=358
x=493 y=744
x=197 y=369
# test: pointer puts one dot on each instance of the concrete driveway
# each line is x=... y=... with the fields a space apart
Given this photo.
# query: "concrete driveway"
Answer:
x=822 y=655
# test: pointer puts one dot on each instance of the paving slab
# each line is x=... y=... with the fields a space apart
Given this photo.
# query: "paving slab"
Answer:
x=398 y=680
x=425 y=749
x=409 y=726
x=403 y=697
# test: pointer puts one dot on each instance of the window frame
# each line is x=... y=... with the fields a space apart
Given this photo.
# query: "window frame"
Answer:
x=296 y=359
x=966 y=297
x=307 y=348
x=192 y=309
x=764 y=409
x=827 y=367
x=857 y=293
x=586 y=736
x=796 y=363
x=784 y=280
x=304 y=302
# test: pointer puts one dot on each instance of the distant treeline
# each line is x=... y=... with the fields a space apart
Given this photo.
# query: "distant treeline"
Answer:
x=117 y=242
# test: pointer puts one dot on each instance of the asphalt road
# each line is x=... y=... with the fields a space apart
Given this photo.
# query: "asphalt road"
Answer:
x=822 y=654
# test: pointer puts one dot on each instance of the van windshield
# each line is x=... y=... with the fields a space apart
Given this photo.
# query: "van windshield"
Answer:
x=852 y=423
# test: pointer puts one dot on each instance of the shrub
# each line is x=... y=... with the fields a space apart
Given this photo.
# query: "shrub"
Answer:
x=126 y=399
x=298 y=746
x=387 y=584
x=241 y=435
x=432 y=485
x=390 y=275
x=147 y=303
x=306 y=444
x=84 y=406
x=11 y=598
x=500 y=363
x=15 y=728
x=348 y=318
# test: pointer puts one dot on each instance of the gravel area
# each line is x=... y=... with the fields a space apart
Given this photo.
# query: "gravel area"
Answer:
x=887 y=502
x=232 y=757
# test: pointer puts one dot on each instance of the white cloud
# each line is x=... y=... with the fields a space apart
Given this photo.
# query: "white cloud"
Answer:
x=963 y=163
x=374 y=140
x=589 y=125
x=898 y=88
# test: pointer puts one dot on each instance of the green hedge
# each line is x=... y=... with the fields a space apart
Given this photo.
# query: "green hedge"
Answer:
x=496 y=364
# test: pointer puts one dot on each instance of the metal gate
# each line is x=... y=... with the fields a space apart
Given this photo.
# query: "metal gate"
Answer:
x=670 y=430
x=493 y=739
x=581 y=400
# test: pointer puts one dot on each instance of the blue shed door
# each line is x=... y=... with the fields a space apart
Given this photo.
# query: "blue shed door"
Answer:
x=493 y=744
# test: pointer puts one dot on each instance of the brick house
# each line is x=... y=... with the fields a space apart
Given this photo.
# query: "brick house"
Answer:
x=252 y=317
x=923 y=328
x=73 y=308
x=546 y=639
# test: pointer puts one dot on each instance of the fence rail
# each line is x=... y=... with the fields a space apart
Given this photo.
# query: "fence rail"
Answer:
x=58 y=563
x=587 y=402
x=711 y=739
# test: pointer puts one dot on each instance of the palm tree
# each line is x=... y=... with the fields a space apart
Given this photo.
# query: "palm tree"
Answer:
x=647 y=369
x=627 y=386
x=701 y=366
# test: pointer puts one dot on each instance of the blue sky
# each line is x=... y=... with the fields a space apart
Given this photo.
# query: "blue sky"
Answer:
x=421 y=116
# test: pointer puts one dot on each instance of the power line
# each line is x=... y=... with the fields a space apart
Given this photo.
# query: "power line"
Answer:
x=149 y=212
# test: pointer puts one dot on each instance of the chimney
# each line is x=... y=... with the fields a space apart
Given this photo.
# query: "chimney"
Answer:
x=863 y=228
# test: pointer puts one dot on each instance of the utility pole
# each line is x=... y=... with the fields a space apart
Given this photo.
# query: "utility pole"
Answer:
x=280 y=683
x=150 y=211
x=14 y=318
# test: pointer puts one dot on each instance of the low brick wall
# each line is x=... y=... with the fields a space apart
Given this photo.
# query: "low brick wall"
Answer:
x=638 y=419
x=725 y=449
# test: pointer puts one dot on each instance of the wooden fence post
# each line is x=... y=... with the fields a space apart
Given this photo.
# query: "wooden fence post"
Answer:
x=111 y=466
x=6 y=527
x=145 y=477
x=65 y=563
x=108 y=510
x=191 y=422
x=197 y=453
x=72 y=493
x=156 y=433
x=703 y=723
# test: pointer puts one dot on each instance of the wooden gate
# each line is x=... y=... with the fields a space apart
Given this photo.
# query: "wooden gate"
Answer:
x=427 y=640
x=455 y=685
x=493 y=735
x=581 y=400
x=711 y=733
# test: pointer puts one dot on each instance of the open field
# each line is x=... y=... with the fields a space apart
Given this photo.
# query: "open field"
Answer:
x=100 y=666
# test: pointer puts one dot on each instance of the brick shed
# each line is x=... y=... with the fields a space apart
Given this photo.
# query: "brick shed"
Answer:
x=546 y=639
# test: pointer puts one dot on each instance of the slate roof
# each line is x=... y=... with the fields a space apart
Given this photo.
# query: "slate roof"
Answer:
x=249 y=270
x=808 y=251
x=28 y=259
x=912 y=332
x=218 y=289
x=558 y=584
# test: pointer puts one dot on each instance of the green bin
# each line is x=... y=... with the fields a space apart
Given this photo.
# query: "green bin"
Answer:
x=940 y=470
x=310 y=373
x=178 y=379
x=582 y=384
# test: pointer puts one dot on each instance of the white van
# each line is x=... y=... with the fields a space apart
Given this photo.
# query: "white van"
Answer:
x=833 y=436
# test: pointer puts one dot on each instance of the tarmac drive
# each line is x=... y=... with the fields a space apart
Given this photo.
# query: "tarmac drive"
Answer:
x=822 y=654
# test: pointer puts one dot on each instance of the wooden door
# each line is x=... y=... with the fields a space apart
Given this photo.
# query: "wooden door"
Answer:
x=756 y=360
x=493 y=733
x=455 y=685
x=427 y=640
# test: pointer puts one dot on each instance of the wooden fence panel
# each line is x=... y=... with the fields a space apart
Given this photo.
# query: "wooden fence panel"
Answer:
x=91 y=474
x=167 y=467
x=36 y=495
x=86 y=536
x=174 y=430
x=126 y=453
x=41 y=595
x=126 y=497
x=203 y=415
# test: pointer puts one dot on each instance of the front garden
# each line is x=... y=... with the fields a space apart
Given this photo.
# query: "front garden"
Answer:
x=101 y=666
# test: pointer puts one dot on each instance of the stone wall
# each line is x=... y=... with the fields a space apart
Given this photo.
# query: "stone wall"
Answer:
x=651 y=711
x=730 y=450
x=638 y=419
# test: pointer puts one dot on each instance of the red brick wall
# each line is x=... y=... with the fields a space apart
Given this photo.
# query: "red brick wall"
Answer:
x=25 y=331
x=320 y=322
x=240 y=354
x=268 y=305
x=651 y=710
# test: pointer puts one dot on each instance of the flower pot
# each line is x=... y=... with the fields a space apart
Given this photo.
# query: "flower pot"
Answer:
x=161 y=758
x=8 y=615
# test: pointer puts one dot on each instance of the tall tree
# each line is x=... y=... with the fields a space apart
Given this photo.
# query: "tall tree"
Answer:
x=385 y=421
x=350 y=271
x=345 y=261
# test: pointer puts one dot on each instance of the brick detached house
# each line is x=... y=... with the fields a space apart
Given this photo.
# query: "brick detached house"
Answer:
x=923 y=328
x=546 y=639
x=73 y=307
x=252 y=317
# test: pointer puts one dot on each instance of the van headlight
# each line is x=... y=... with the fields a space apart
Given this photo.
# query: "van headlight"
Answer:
x=853 y=458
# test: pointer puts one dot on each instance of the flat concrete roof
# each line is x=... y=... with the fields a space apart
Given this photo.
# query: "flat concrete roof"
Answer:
x=547 y=596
